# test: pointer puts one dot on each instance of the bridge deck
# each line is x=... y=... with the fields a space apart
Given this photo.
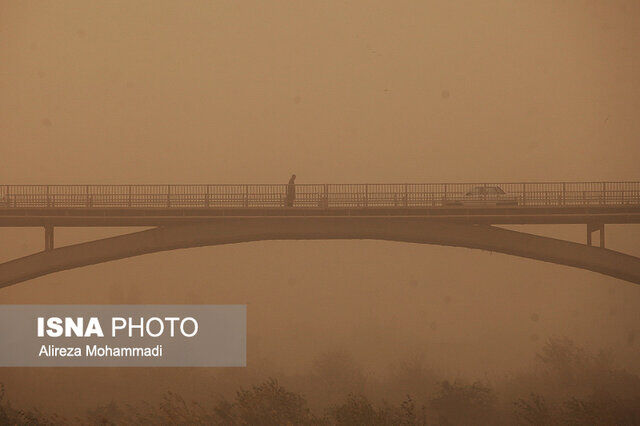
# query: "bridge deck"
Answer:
x=153 y=205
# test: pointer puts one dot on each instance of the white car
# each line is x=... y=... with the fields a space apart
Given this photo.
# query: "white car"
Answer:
x=484 y=196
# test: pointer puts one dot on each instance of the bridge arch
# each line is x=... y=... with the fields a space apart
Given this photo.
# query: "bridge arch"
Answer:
x=237 y=230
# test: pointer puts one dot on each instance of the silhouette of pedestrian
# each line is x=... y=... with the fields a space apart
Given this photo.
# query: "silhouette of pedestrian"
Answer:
x=291 y=191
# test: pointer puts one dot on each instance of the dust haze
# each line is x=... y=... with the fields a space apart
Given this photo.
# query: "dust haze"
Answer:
x=250 y=92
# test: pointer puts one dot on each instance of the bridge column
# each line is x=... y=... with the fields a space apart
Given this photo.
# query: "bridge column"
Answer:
x=591 y=228
x=48 y=237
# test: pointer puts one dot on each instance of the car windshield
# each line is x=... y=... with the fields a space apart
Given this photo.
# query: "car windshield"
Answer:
x=485 y=190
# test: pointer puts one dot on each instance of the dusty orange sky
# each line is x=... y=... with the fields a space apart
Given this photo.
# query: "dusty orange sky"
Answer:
x=351 y=91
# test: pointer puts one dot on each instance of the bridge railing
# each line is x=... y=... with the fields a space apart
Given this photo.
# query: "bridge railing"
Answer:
x=319 y=195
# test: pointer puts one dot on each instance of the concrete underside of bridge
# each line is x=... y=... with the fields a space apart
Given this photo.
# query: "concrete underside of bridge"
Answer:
x=238 y=230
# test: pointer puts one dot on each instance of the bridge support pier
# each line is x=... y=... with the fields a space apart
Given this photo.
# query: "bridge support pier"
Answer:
x=48 y=237
x=593 y=227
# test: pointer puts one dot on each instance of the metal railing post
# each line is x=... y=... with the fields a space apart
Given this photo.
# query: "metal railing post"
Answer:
x=524 y=194
x=168 y=195
x=366 y=194
x=326 y=195
x=406 y=196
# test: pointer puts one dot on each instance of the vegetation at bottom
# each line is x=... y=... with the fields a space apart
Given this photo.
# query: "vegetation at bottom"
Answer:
x=567 y=386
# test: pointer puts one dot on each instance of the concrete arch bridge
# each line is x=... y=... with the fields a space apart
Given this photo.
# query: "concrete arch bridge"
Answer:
x=460 y=215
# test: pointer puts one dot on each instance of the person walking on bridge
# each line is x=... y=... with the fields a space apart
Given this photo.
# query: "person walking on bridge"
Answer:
x=291 y=191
